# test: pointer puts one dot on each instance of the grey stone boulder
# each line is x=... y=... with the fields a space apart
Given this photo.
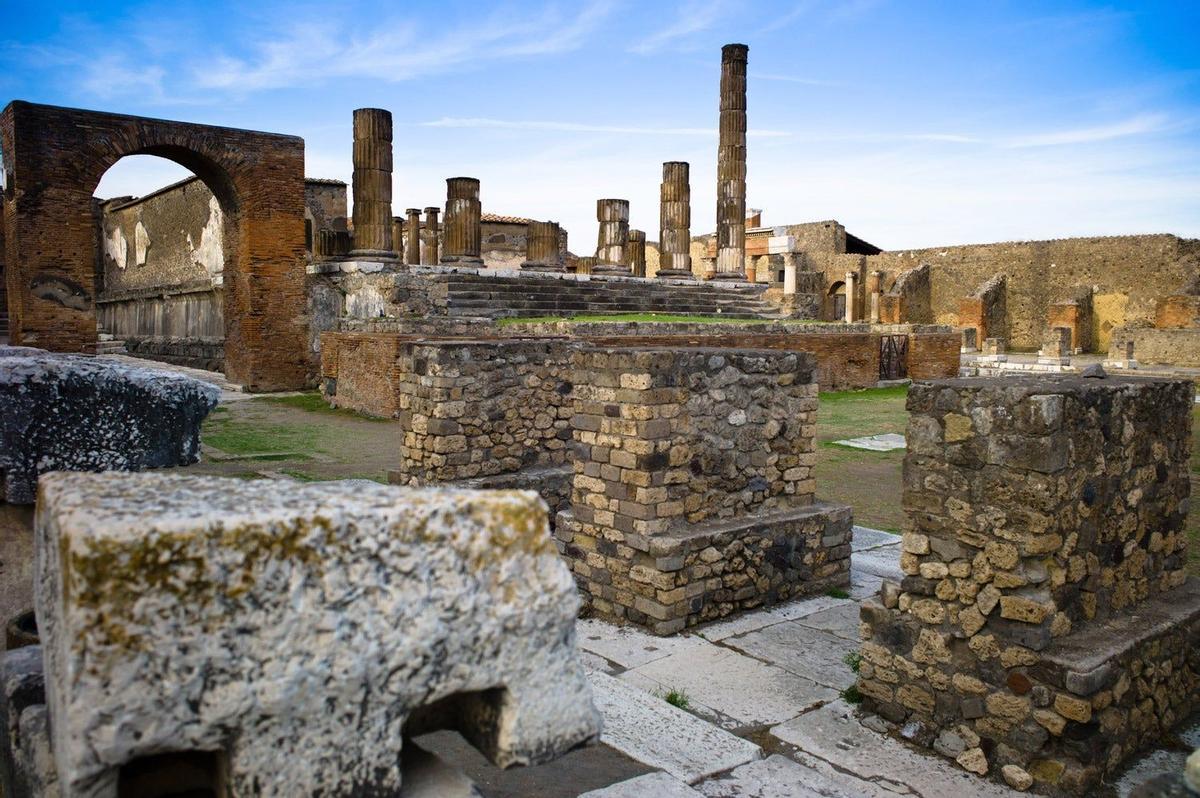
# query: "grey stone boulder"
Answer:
x=304 y=630
x=76 y=413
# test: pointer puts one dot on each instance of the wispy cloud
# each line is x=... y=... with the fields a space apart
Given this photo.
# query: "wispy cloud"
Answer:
x=793 y=79
x=1135 y=126
x=823 y=11
x=395 y=50
x=578 y=127
x=691 y=17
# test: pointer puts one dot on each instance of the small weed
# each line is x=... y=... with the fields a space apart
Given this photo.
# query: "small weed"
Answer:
x=677 y=698
x=314 y=402
x=853 y=660
x=837 y=592
x=852 y=695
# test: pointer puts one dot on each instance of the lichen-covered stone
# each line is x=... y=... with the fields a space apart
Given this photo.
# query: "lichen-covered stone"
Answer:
x=75 y=413
x=301 y=631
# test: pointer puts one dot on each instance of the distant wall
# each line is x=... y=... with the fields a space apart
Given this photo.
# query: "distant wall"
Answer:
x=1128 y=273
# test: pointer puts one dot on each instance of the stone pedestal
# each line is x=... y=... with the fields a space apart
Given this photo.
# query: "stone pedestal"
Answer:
x=1120 y=355
x=462 y=231
x=789 y=274
x=541 y=247
x=675 y=222
x=373 y=185
x=635 y=253
x=1045 y=621
x=669 y=526
x=412 y=248
x=969 y=343
x=731 y=166
x=993 y=351
x=613 y=216
x=432 y=237
x=1056 y=347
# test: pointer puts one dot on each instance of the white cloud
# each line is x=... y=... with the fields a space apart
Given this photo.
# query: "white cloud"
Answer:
x=1135 y=126
x=691 y=17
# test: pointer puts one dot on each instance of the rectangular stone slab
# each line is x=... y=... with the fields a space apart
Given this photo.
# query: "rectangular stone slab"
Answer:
x=273 y=624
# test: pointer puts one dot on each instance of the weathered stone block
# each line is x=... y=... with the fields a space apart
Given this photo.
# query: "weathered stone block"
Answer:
x=74 y=413
x=218 y=615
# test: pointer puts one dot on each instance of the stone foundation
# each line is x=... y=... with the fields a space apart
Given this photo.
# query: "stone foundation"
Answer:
x=1045 y=622
x=693 y=489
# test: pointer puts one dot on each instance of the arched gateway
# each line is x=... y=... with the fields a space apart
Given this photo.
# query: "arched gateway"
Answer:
x=54 y=159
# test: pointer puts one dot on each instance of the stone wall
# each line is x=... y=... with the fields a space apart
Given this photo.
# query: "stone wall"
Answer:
x=1179 y=310
x=693 y=488
x=1174 y=347
x=1129 y=274
x=908 y=301
x=1044 y=619
x=986 y=310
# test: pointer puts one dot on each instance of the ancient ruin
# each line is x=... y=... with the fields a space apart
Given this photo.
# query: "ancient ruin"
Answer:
x=731 y=166
x=373 y=184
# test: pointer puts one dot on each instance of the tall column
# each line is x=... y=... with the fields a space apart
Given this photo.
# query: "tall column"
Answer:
x=675 y=222
x=635 y=253
x=431 y=236
x=412 y=253
x=397 y=235
x=789 y=274
x=613 y=215
x=731 y=165
x=373 y=184
x=462 y=222
x=851 y=294
x=541 y=247
x=874 y=290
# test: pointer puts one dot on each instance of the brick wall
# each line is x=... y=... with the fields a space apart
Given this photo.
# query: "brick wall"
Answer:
x=1044 y=617
x=1180 y=310
x=58 y=156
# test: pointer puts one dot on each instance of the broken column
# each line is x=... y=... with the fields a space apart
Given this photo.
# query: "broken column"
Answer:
x=1045 y=626
x=373 y=184
x=432 y=245
x=669 y=526
x=731 y=166
x=789 y=274
x=542 y=253
x=462 y=227
x=635 y=253
x=613 y=215
x=874 y=290
x=225 y=643
x=412 y=251
x=675 y=222
x=851 y=297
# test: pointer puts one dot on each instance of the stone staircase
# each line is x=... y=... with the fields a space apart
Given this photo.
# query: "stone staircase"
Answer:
x=106 y=344
x=499 y=296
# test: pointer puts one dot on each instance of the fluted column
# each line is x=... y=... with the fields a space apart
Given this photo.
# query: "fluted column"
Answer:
x=613 y=215
x=432 y=245
x=635 y=253
x=373 y=184
x=586 y=265
x=397 y=235
x=731 y=165
x=412 y=252
x=541 y=247
x=675 y=222
x=462 y=244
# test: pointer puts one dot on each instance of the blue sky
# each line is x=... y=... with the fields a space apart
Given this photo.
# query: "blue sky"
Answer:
x=913 y=123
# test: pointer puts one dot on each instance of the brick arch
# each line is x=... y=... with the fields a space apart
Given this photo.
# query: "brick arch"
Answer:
x=55 y=158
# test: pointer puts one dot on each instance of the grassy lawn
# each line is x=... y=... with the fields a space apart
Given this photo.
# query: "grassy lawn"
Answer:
x=870 y=481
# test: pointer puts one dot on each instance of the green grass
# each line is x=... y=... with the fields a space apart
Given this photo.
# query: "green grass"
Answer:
x=851 y=695
x=853 y=661
x=837 y=592
x=243 y=438
x=677 y=698
x=314 y=402
x=661 y=318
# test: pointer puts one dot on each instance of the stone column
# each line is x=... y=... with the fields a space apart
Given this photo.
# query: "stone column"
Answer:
x=635 y=253
x=613 y=215
x=462 y=222
x=874 y=289
x=373 y=184
x=412 y=252
x=431 y=236
x=585 y=265
x=731 y=166
x=541 y=247
x=789 y=274
x=675 y=222
x=851 y=289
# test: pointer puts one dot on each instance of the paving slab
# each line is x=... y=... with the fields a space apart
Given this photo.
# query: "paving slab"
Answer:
x=757 y=619
x=628 y=646
x=883 y=562
x=1160 y=760
x=841 y=621
x=802 y=650
x=652 y=785
x=888 y=442
x=863 y=585
x=864 y=537
x=834 y=735
x=750 y=692
x=653 y=732
x=777 y=776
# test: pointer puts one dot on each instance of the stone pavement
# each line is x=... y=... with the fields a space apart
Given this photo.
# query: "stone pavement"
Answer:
x=764 y=714
x=887 y=442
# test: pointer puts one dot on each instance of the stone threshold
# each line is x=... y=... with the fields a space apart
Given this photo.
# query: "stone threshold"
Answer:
x=707 y=530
